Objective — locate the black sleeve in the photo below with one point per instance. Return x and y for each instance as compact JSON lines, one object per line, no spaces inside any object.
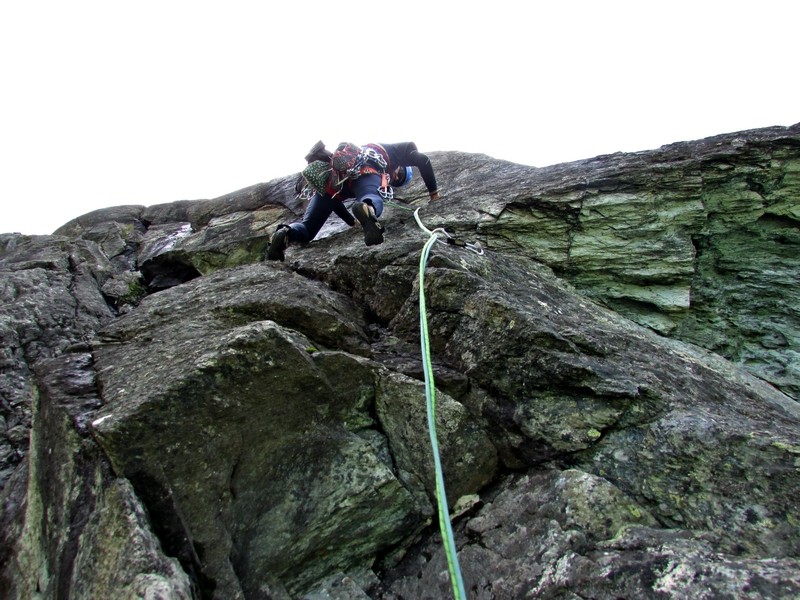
{"x":405,"y":154}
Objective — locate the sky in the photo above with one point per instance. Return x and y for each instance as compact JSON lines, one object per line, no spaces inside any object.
{"x":107,"y":103}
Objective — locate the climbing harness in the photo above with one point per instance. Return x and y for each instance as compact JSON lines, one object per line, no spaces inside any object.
{"x":369,"y":160}
{"x":445,"y":526}
{"x":369,"y":154}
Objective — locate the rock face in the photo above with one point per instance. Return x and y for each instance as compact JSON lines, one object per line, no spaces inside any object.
{"x":617,"y":389}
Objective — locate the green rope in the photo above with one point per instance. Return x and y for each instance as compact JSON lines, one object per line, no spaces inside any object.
{"x":398,"y":204}
{"x":430,"y":397}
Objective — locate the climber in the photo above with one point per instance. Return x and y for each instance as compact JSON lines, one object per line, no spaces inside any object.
{"x":363,"y":173}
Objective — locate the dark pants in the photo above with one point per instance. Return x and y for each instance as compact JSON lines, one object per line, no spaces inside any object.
{"x":320,"y":207}
{"x":365,"y":189}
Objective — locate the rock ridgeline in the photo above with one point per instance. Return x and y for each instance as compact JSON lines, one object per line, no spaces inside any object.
{"x":618,"y":383}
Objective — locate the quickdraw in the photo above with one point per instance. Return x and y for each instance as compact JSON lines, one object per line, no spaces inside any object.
{"x":306,"y":193}
{"x":445,"y":238}
{"x":476,"y":247}
{"x":384,"y":189}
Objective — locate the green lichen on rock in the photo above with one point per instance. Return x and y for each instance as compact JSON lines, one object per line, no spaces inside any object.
{"x":252,"y":429}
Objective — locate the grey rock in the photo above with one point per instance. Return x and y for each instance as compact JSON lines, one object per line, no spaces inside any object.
{"x":567,"y":534}
{"x":80,"y":532}
{"x":616,"y":385}
{"x":49,"y":300}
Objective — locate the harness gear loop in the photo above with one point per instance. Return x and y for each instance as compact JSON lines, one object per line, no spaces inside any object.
{"x":371,"y":155}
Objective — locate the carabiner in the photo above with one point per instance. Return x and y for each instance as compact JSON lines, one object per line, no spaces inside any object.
{"x":385,"y":190}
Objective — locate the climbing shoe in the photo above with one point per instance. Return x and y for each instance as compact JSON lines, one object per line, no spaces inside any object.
{"x":278,"y":243}
{"x":373,"y":230}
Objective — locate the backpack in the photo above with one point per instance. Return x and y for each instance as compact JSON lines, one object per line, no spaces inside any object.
{"x":328,"y":171}
{"x":317,"y":175}
{"x":346,"y":160}
{"x":350,"y":162}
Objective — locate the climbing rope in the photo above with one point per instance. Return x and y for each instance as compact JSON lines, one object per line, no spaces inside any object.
{"x":445,"y":526}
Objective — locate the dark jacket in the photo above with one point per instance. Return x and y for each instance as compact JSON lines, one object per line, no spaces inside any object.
{"x":405,"y":154}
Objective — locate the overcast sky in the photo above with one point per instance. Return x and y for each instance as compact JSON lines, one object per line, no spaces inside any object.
{"x":105,"y":103}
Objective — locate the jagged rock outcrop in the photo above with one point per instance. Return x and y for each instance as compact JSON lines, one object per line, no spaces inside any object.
{"x":617,"y":379}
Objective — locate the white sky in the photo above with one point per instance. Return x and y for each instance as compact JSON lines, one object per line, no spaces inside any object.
{"x":106,"y":102}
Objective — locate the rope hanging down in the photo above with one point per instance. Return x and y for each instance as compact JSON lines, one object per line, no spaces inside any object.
{"x":430,"y":397}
